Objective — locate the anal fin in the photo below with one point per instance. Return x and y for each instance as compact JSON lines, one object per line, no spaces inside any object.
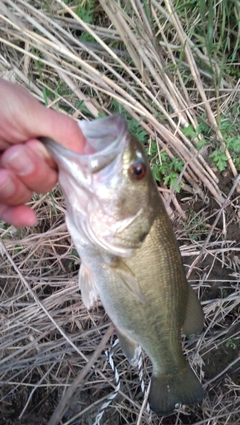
{"x":130,"y":347}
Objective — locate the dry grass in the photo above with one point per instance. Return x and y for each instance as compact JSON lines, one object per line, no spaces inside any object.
{"x":47,"y":337}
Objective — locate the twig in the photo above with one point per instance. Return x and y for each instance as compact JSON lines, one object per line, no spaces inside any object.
{"x":222,"y":372}
{"x":213,"y":227}
{"x":59,"y":412}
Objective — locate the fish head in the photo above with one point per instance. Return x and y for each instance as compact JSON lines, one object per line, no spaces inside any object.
{"x":109,"y":189}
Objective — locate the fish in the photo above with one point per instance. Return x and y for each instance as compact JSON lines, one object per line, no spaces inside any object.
{"x":130,"y":256}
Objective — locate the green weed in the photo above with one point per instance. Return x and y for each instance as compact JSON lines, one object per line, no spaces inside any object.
{"x":219,"y":158}
{"x":86,"y":12}
{"x":214,"y":25}
{"x":83,"y":108}
{"x":4,"y":226}
{"x":75,"y":260}
{"x":231,"y":343}
{"x":196,"y":226}
{"x":231,"y":141}
{"x":133,"y":125}
{"x":163,"y":167}
{"x":170,"y":170}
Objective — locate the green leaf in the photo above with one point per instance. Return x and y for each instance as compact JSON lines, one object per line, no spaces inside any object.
{"x":189,"y":131}
{"x":102,"y":114}
{"x":234,"y":144}
{"x":219,"y":158}
{"x":176,"y":164}
{"x":156,"y":173}
{"x":201,"y":144}
{"x":86,"y":37}
{"x":86,"y":12}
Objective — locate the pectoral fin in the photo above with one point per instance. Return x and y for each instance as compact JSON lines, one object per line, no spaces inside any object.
{"x":130,"y":347}
{"x":194,"y":318}
{"x":128,"y":279}
{"x":87,"y":287}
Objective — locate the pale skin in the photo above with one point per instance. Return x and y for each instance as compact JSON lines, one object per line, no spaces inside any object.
{"x":25,"y":164}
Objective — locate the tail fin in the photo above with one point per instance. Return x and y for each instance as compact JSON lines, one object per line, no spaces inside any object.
{"x":167,"y":391}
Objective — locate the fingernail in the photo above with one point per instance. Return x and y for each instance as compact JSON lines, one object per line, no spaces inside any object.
{"x":21,"y":163}
{"x":7,"y":187}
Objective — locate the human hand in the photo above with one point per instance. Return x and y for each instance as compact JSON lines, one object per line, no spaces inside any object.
{"x":25,"y":164}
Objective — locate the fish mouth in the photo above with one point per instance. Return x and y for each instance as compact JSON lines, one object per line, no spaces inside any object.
{"x":103,"y":134}
{"x":105,"y":139}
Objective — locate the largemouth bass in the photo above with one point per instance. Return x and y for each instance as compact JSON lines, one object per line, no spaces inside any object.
{"x":130,"y":256}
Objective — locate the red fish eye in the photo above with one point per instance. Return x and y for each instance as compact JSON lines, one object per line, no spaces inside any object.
{"x":138,"y":170}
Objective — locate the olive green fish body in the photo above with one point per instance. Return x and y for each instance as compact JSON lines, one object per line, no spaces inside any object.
{"x":130,"y":256}
{"x":158,"y":269}
{"x":156,"y":323}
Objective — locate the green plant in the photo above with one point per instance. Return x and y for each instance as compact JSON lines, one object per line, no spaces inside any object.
{"x":170,"y":169}
{"x":219,"y":158}
{"x":75,"y":260}
{"x":231,"y":343}
{"x":230,"y":141}
{"x":230,"y":132}
{"x":213,"y":26}
{"x":82,"y":107}
{"x":164,"y":167}
{"x":86,"y":11}
{"x":224,"y":292}
{"x":196,"y":226}
{"x":134,"y":126}
{"x":192,"y":133}
{"x":4,"y":226}
{"x":154,"y":160}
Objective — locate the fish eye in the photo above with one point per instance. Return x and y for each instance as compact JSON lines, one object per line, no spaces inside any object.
{"x":138,"y":170}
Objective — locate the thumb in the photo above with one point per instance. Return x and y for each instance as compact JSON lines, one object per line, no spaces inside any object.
{"x":23,"y":118}
{"x":60,"y":128}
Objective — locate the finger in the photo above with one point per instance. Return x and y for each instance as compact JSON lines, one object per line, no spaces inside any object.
{"x":39,"y":148}
{"x":23,"y":117}
{"x":61,"y":128}
{"x":31,"y":168}
{"x":12,"y":190}
{"x":18,"y":216}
